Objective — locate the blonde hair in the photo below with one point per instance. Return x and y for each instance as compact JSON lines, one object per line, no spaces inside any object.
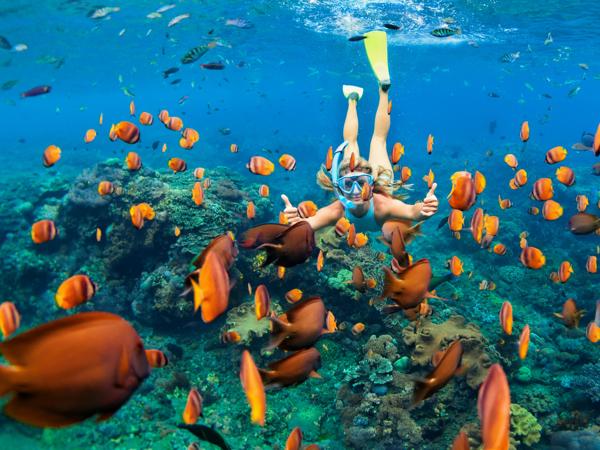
{"x":382,"y":184}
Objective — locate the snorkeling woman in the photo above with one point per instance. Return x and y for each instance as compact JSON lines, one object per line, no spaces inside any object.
{"x":373,"y":176}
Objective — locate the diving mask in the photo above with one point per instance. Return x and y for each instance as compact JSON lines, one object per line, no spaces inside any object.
{"x":349,"y":183}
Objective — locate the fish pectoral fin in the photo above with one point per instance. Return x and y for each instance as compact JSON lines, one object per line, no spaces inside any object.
{"x":559,"y":315}
{"x":314,"y":374}
{"x":431,"y":295}
{"x":269,"y":245}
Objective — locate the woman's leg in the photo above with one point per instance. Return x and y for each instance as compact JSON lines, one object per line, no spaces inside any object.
{"x":351,"y":129}
{"x":378,"y":155}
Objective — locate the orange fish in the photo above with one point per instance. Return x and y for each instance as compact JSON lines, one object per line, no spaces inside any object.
{"x":506,"y":317}
{"x":231,"y":337}
{"x":397,"y":152}
{"x":146,"y":118}
{"x":100,"y":119}
{"x":74,"y":291}
{"x":186,"y":143}
{"x":582,"y":203}
{"x":524,"y":342}
{"x":429,"y":144}
{"x":592,"y":331}
{"x":446,"y":365}
{"x":520,"y":178}
{"x":565,"y":175}
{"x":98,"y":234}
{"x":294,"y":295}
{"x":125,"y":131}
{"x":491,"y":225}
{"x":358,"y":328}
{"x":570,"y":315}
{"x":504,"y":203}
{"x":532,"y":257}
{"x":534,"y":210}
{"x":461,"y":442}
{"x":596,"y":145}
{"x":556,"y":154}
{"x":360,"y":240}
{"x":164,"y":148}
{"x":89,"y":136}
{"x":405,"y":174}
{"x":177,"y":231}
{"x":288,"y":162}
{"x":177,"y":165}
{"x":10,"y":319}
{"x":51,"y":155}
{"x":282,"y":218}
{"x":477,"y":225}
{"x":351,"y":235}
{"x":294,"y":440}
{"x":263,"y":190}
{"x":513,"y":184}
{"x":320,"y":261}
{"x":542,"y":189}
{"x":254,"y":388}
{"x":250,"y":210}
{"x":408,"y":288}
{"x":280,"y":272}
{"x":462,"y":196}
{"x":330,"y":322}
{"x":493,"y":406}
{"x":233,"y":148}
{"x":262,"y":302}
{"x":456,"y":266}
{"x":86,"y":383}
{"x":499,"y":249}
{"x":429,"y":178}
{"x":456,"y":221}
{"x":366,"y":192}
{"x":260,"y":166}
{"x":307,"y":209}
{"x":480,"y":182}
{"x":137,"y":217}
{"x":342,"y":226}
{"x":206,"y":183}
{"x":43,"y":231}
{"x":352,"y":163}
{"x":163,"y":116}
{"x":591,"y":264}
{"x":197,"y":193}
{"x":191,"y":135}
{"x":511,"y":161}
{"x":131,"y":108}
{"x":133,"y":161}
{"x":156,"y":358}
{"x":146,"y":210}
{"x":193,"y":407}
{"x":174,"y":123}
{"x":552,"y":210}
{"x":105,"y":188}
{"x":564,"y":271}
{"x":211,"y":292}
{"x":199,"y":173}
{"x":329,"y":158}
{"x":524,"y":134}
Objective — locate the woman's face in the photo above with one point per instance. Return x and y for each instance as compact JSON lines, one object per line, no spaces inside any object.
{"x":351,"y":185}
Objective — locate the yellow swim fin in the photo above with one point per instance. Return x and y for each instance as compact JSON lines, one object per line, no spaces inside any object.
{"x":376,"y":48}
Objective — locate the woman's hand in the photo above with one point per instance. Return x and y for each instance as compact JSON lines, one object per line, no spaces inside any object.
{"x":430,"y":203}
{"x":290,"y":211}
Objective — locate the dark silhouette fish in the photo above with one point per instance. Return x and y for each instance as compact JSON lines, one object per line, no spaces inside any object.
{"x":584,"y":223}
{"x":4,"y":43}
{"x":409,"y":288}
{"x":170,"y":71}
{"x":207,"y":434}
{"x":176,"y":81}
{"x":213,"y":66}
{"x":73,"y":368}
{"x":357,"y":38}
{"x":292,"y":370}
{"x":445,"y":368}
{"x":285,"y":245}
{"x":38,"y":90}
{"x":300,"y":326}
{"x":391,"y":26}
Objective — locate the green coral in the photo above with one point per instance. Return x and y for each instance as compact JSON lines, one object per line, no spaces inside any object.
{"x":524,"y":427}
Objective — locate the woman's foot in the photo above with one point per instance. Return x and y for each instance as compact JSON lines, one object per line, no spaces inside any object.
{"x":385,"y":85}
{"x":352,"y":92}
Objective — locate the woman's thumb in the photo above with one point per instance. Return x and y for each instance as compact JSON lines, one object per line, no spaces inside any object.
{"x":286,"y":201}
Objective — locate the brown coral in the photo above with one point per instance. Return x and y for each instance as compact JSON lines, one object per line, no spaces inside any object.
{"x":428,"y":338}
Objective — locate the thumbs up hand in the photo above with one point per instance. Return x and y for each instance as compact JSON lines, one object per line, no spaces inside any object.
{"x":430,"y":203}
{"x":290,"y":211}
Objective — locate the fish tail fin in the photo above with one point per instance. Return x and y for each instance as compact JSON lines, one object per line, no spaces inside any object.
{"x":266,"y":376}
{"x":280,"y":330}
{"x":7,"y":383}
{"x":443,"y":221}
{"x":389,"y":282}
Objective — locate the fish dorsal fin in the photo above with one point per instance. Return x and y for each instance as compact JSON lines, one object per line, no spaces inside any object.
{"x":17,"y":350}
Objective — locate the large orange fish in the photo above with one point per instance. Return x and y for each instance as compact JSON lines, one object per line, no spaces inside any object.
{"x":409,"y":288}
{"x":480,"y":182}
{"x":74,"y":291}
{"x":570,"y":315}
{"x":125,"y":131}
{"x":51,"y":155}
{"x":43,"y":231}
{"x":133,"y":161}
{"x":542,"y":189}
{"x":506,"y":317}
{"x":447,"y":366}
{"x":493,"y":406}
{"x":193,"y":407}
{"x":397,"y":152}
{"x":105,"y":188}
{"x":511,"y":161}
{"x":211,"y":292}
{"x":307,"y":209}
{"x":300,"y":326}
{"x":51,"y":387}
{"x":262,"y":302}
{"x":260,"y":166}
{"x":146,"y":118}
{"x":288,"y":162}
{"x":532,"y":257}
{"x":294,"y":440}
{"x":462,"y":196}
{"x":254,"y":388}
{"x":292,"y":370}
{"x":197,"y":193}
{"x":477,"y":225}
{"x":89,"y":136}
{"x":556,"y":154}
{"x":177,"y":165}
{"x":552,"y":210}
{"x":565,"y":175}
{"x":10,"y":319}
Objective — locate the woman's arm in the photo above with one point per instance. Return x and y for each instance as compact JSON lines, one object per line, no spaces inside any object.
{"x":326,"y":216}
{"x":397,"y":209}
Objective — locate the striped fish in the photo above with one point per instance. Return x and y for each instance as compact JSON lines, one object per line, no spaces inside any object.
{"x":194,"y":54}
{"x":445,"y":32}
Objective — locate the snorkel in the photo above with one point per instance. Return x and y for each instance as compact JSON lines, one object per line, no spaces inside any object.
{"x":335,"y":176}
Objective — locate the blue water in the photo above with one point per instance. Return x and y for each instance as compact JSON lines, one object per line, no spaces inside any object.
{"x":280,"y":90}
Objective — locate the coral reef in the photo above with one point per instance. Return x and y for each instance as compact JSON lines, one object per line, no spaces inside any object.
{"x":524,"y":428}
